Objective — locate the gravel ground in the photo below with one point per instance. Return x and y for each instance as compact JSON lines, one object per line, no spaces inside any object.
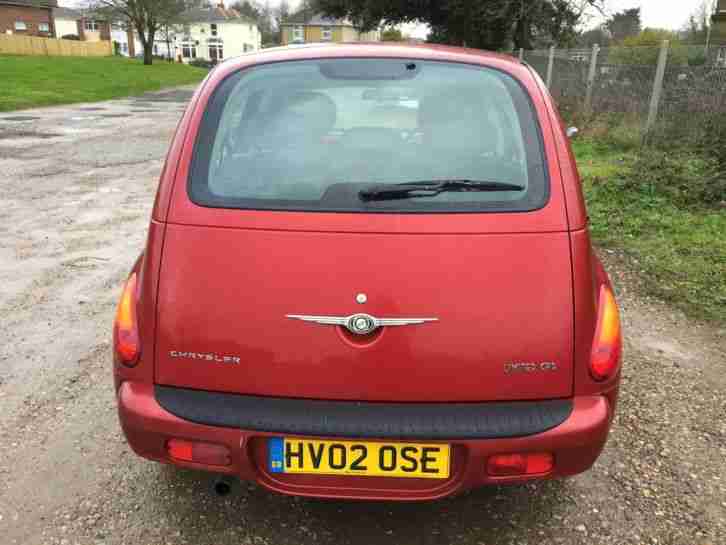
{"x":77,"y":186}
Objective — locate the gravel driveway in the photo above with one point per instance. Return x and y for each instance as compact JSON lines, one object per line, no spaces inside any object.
{"x":77,"y":185}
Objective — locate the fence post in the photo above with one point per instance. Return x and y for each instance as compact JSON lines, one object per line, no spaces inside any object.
{"x":591,"y":78}
{"x":550,"y":67}
{"x":521,"y":53}
{"x":657,"y":86}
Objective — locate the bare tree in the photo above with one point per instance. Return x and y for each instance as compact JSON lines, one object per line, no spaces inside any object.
{"x":146,"y":17}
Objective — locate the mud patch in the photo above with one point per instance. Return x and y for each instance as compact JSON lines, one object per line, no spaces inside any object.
{"x":19,"y":118}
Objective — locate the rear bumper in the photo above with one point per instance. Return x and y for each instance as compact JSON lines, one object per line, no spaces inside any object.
{"x":575,"y":432}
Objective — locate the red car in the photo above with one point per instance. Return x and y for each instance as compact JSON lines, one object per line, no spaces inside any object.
{"x":369,"y":275}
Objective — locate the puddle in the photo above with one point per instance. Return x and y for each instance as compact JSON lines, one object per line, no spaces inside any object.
{"x":12,"y":134}
{"x":115,"y":115}
{"x":20,"y":118}
{"x":180,"y":95}
{"x":91,"y":109}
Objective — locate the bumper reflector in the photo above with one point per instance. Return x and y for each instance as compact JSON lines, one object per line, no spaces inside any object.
{"x":530,"y":463}
{"x":200,"y":453}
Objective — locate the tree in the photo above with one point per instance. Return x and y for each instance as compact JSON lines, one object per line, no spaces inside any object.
{"x":643,"y":49}
{"x":624,"y":24}
{"x":266,"y":24}
{"x":485,"y":24}
{"x":391,"y":34}
{"x":595,"y":36}
{"x":281,"y":15}
{"x":696,"y":29}
{"x":146,"y":17}
{"x":248,"y":9}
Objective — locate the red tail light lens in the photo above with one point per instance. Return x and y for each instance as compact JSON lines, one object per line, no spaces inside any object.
{"x":607,"y":344}
{"x":126,"y":326}
{"x":530,"y":463}
{"x":201,"y":453}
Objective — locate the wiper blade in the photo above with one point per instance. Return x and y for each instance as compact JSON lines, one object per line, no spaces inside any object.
{"x":410,"y":190}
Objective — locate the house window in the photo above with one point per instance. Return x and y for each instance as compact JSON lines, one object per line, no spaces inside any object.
{"x":327,"y":34}
{"x":215,"y":52}
{"x":20,"y":25}
{"x":213,"y":28}
{"x":298,"y":34}
{"x":189,"y":51}
{"x":43,"y":27}
{"x":91,"y":26}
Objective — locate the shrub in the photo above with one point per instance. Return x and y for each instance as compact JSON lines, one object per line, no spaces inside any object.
{"x":684,"y":178}
{"x":202,"y":63}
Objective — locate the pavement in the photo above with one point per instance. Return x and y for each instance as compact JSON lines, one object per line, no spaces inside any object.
{"x":77,"y":184}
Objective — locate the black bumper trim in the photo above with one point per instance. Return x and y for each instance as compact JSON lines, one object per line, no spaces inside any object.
{"x":491,"y":420}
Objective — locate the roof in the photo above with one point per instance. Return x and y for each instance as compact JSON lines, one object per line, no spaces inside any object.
{"x":214,"y":15}
{"x":331,"y":50}
{"x":44,"y":4}
{"x":303,"y":17}
{"x":65,"y":13}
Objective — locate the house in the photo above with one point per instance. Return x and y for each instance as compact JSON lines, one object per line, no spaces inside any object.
{"x":125,"y":40}
{"x":213,"y":33}
{"x":305,"y":27}
{"x":73,"y":23}
{"x":27,"y":17}
{"x":83,"y":25}
{"x":66,"y":21}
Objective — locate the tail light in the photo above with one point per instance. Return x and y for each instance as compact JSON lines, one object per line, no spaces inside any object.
{"x":200,"y":453}
{"x":126,"y":327}
{"x":607,"y":344}
{"x":527,"y":463}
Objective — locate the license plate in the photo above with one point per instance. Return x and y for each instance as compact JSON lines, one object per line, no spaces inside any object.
{"x":361,"y":458}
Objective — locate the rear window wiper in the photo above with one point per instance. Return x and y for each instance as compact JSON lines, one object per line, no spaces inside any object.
{"x":410,"y":190}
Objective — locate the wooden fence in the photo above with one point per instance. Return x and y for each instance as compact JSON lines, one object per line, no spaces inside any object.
{"x":11,"y":44}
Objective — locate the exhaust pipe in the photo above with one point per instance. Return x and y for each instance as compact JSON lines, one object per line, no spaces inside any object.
{"x":223,"y":486}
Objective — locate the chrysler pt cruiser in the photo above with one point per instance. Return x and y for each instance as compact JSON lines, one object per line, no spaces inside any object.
{"x":368,"y":275}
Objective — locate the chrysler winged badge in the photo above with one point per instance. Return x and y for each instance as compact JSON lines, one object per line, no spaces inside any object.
{"x":360,"y":324}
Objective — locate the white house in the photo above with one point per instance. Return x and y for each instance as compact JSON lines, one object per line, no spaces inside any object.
{"x":215,"y":33}
{"x":128,"y":42}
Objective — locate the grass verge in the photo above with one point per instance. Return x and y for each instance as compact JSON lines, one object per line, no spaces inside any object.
{"x":29,"y":81}
{"x":679,"y":249}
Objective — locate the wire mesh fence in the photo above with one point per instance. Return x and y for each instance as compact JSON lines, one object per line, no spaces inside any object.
{"x":664,"y":92}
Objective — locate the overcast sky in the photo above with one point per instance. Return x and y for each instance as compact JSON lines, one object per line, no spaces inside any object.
{"x":671,"y":14}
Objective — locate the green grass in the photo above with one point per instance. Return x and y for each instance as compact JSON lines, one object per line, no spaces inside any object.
{"x":679,"y":250}
{"x":29,"y":81}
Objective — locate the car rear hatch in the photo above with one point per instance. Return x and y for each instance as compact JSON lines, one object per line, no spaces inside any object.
{"x":499,"y":299}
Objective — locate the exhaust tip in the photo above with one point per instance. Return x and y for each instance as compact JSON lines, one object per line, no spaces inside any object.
{"x":222,"y":486}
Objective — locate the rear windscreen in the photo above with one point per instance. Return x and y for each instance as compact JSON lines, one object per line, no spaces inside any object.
{"x":315,"y":135}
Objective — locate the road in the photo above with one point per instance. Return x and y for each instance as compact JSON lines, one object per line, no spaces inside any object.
{"x":77,"y":186}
